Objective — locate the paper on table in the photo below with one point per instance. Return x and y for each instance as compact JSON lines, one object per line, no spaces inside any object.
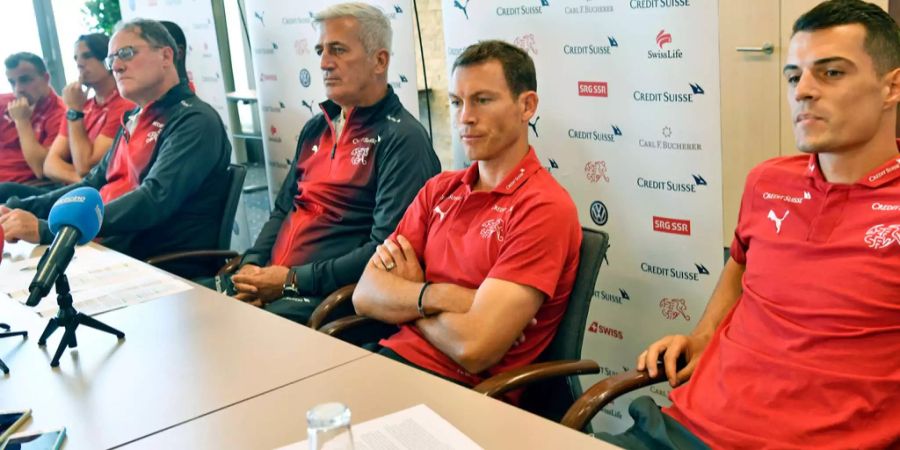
{"x":99,"y":281}
{"x":410,"y":429}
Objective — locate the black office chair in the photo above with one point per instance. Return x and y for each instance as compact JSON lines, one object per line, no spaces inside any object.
{"x":551,"y":383}
{"x":222,"y":253}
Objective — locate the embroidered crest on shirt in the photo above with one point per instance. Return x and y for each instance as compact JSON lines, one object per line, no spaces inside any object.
{"x":491,"y":227}
{"x":671,"y":308}
{"x":358,"y":156}
{"x":777,"y":220}
{"x":153,"y":135}
{"x":881,"y":236}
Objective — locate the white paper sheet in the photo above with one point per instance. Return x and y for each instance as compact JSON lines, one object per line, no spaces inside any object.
{"x":99,"y":281}
{"x":413,"y":428}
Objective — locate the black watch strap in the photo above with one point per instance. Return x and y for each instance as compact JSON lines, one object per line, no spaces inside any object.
{"x":74,"y":115}
{"x":291,"y":287}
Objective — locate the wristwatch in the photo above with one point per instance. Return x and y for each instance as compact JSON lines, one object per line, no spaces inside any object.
{"x":290,"y":288}
{"x":73,"y":115}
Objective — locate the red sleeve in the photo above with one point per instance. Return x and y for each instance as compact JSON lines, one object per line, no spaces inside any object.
{"x":114,"y":117}
{"x":539,"y":242}
{"x":52,"y":124}
{"x":741,"y":242}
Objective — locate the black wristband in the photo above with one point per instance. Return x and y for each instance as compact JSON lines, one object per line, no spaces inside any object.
{"x":421,"y":296}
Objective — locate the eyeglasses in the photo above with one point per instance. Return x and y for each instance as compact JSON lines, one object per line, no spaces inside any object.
{"x":125,"y":54}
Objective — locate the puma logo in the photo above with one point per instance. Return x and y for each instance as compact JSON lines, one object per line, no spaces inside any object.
{"x":461,"y":7}
{"x":437,"y":209}
{"x":533,"y":125}
{"x":777,"y":220}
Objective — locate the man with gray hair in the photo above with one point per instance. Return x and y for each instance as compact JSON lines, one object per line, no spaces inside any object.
{"x":163,"y":182}
{"x":358,"y":166}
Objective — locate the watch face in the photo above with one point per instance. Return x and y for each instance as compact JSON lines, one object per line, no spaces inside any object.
{"x":74,"y":115}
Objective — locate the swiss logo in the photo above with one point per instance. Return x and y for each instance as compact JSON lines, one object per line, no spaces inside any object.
{"x":881,"y":236}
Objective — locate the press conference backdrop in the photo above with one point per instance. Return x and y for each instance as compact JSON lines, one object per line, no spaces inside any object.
{"x":289,"y":81}
{"x":628,"y":122}
{"x":203,"y":63}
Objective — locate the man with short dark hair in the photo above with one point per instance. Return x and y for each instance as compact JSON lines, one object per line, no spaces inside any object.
{"x":799,"y":344}
{"x":164,"y":181}
{"x":358,"y":166}
{"x":29,"y":118}
{"x":479,"y":271}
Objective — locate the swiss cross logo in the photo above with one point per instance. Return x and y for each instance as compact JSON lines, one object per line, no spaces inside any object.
{"x":881,"y":236}
{"x":358,"y":156}
{"x":671,"y":308}
{"x":491,"y":227}
{"x":153,"y":135}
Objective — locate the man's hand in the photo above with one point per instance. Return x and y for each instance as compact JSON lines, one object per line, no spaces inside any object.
{"x":673,"y":346}
{"x":74,"y":96}
{"x":19,"y":224}
{"x":398,"y":258}
{"x":20,"y":110}
{"x":259,"y":284}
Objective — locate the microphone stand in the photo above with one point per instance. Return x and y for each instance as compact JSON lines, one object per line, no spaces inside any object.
{"x":69,"y":319}
{"x":4,"y":334}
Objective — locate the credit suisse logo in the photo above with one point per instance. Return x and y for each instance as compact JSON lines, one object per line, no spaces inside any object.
{"x":596,"y":135}
{"x":672,"y":186}
{"x":273,"y":108}
{"x":618,"y":298}
{"x":308,"y":19}
{"x":591,"y":49}
{"x":593,"y":89}
{"x":669,"y":96}
{"x":529,"y":9}
{"x":672,"y":226}
{"x":263,"y":77}
{"x":658,"y":4}
{"x":665,"y":49}
{"x":265,"y":50}
{"x":678,"y":273}
{"x":597,"y":328}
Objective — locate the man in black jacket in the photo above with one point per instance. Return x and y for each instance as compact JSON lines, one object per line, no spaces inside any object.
{"x":358,"y":166}
{"x":164,"y":181}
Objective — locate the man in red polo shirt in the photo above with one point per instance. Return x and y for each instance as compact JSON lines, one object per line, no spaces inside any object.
{"x":91,"y":123}
{"x":498,"y":241}
{"x":799,"y":346}
{"x":29,"y":118}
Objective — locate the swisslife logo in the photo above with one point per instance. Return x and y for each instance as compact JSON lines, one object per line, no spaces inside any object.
{"x":694,"y":274}
{"x":593,"y":89}
{"x":685,"y":96}
{"x":672,"y":226}
{"x":664,"y":49}
{"x":673,"y":186}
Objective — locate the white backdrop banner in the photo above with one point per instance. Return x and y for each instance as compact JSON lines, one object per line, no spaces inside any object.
{"x":628,"y":122}
{"x":288,"y":79}
{"x":195,"y":17}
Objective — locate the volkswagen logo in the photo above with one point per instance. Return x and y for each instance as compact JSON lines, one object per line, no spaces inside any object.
{"x":599,"y":214}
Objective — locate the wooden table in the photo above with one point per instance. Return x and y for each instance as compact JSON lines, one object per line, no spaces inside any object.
{"x":184,"y":356}
{"x":372,"y":387}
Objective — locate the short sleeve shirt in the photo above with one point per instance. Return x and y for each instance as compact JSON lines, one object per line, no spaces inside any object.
{"x":45,"y":120}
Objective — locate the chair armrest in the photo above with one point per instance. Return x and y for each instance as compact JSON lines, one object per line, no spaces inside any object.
{"x":604,"y":392}
{"x":344,"y":324}
{"x":193,"y":254}
{"x":499,"y":384}
{"x":332,"y":302}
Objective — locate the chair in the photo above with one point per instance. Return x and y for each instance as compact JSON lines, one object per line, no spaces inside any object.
{"x":551,"y":383}
{"x":608,"y":389}
{"x":223,"y":253}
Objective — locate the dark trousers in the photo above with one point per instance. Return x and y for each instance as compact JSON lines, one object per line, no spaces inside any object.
{"x":297,"y":309}
{"x":653,"y":430}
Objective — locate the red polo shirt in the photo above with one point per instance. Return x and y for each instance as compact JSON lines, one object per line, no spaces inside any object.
{"x":133,"y":154}
{"x":45,"y":120}
{"x":809,"y":357}
{"x":525,"y":231}
{"x":102,"y":118}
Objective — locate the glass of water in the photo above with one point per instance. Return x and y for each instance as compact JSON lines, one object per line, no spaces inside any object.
{"x":328,"y":427}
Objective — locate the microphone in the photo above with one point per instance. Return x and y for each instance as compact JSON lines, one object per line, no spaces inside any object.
{"x":75,"y":219}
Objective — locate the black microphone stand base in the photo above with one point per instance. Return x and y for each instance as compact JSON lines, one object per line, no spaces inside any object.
{"x":6,"y":333}
{"x":69,"y":319}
